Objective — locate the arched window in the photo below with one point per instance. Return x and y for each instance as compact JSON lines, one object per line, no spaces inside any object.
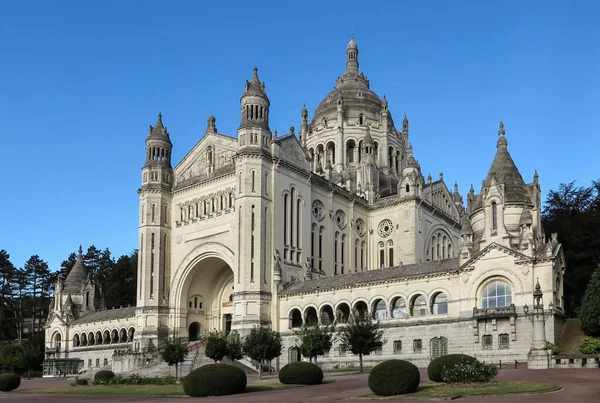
{"x":390,"y":253}
{"x":153,"y":212}
{"x":335,"y":253}
{"x":494,"y":216}
{"x":418,"y":306}
{"x":399,"y":309}
{"x":407,"y":188}
{"x":381,"y":255}
{"x":327,"y":315}
{"x":230,"y":200}
{"x":321,"y":248}
{"x":285,"y":219}
{"x":295,"y":318}
{"x":356,"y":255}
{"x":380,"y":310}
{"x":310,"y":316}
{"x":312,"y":245}
{"x":342,"y":252}
{"x":496,"y":294}
{"x":439,"y":304}
{"x":362,"y":255}
{"x":253,"y":181}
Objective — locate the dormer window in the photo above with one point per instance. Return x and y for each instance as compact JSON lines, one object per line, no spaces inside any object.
{"x":407,"y":188}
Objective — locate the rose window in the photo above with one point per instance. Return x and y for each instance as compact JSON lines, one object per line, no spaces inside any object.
{"x":317,"y":210}
{"x":385,"y":228}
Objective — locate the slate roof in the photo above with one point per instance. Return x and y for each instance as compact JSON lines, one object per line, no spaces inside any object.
{"x":108,"y":314}
{"x":373,"y":276}
{"x":76,"y":276}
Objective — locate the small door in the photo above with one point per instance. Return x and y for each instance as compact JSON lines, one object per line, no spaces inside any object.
{"x":227,"y":323}
{"x":294,"y":354}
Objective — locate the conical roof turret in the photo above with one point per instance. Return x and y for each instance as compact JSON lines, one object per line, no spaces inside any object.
{"x":159,"y":131}
{"x":526,"y":217}
{"x":505,"y":172}
{"x":255,"y":86}
{"x":77,"y":276}
{"x":466,"y":228}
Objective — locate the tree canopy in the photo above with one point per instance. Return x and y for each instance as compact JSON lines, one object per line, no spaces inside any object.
{"x":262,"y":344}
{"x":361,"y":335}
{"x":573,"y":212}
{"x":590,"y":306}
{"x":315,"y":340}
{"x":216,"y":345}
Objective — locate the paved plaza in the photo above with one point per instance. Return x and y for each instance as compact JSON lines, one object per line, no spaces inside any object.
{"x":578,"y":385}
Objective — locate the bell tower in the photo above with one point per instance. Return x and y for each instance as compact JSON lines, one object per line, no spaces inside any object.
{"x":253,"y":206}
{"x":154,"y":236}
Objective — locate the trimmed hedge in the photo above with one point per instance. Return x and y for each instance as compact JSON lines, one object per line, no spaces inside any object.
{"x":394,"y":377}
{"x":9,"y":382}
{"x":301,"y":373}
{"x":434,"y":370}
{"x":103,"y":377}
{"x":215,"y":380}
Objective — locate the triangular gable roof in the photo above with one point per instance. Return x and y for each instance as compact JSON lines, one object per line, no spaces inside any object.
{"x":197,"y":146}
{"x":488,"y":249}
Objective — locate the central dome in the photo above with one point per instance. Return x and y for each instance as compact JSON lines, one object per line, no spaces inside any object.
{"x":352,"y":88}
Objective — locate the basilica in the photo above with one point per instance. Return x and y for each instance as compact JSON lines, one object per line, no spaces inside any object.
{"x":327,"y":221}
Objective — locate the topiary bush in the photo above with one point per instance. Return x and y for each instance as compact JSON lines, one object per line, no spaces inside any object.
{"x":301,"y":373}
{"x":394,"y":377}
{"x":215,"y":380}
{"x":589,"y":345}
{"x":434,"y":370}
{"x":103,"y":377}
{"x":9,"y":382}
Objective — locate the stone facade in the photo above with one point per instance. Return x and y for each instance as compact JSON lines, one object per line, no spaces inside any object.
{"x":269,"y":230}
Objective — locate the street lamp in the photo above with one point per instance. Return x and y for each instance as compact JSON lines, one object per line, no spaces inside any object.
{"x":538,"y":305}
{"x":538,"y":357}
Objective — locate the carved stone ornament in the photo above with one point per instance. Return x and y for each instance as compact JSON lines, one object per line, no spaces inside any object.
{"x":465,"y":277}
{"x":317,"y":210}
{"x":340,"y":219}
{"x":360,"y":227}
{"x":385,"y":228}
{"x":178,"y":239}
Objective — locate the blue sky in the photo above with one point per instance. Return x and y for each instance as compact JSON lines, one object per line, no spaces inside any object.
{"x":81,"y":81}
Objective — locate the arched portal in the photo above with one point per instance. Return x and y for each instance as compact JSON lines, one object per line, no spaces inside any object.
{"x":294,"y":354}
{"x":194,"y":331}
{"x":205,"y":296}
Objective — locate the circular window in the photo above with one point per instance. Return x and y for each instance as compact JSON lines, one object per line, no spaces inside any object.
{"x":317,"y":210}
{"x":340,"y":219}
{"x":385,"y":228}
{"x":360,"y":227}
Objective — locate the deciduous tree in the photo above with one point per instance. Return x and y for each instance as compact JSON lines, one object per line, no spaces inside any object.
{"x":262,"y":344}
{"x":174,"y":351}
{"x":361,"y":335}
{"x":315,"y":340}
{"x":216,"y":345}
{"x":590,"y":306}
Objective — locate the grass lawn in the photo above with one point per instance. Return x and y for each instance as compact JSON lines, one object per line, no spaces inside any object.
{"x":139,"y":390}
{"x":442,"y":390}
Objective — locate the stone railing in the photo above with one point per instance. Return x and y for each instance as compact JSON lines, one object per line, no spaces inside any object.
{"x":480,"y":313}
{"x":575,"y":361}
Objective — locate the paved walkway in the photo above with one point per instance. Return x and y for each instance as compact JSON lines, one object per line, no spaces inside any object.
{"x":579,"y":386}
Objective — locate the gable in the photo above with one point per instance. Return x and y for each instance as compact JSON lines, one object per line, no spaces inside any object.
{"x":212,"y":153}
{"x":439,"y":195}
{"x":292,"y":152}
{"x":495,"y":253}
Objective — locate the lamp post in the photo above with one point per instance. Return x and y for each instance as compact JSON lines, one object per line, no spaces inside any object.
{"x":538,"y":357}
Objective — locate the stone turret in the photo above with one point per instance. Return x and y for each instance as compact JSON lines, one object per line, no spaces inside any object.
{"x":254,"y":135}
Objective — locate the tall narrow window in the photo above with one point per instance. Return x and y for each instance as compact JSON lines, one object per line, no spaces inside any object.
{"x":298,"y":220}
{"x":153,"y":212}
{"x":292,"y":218}
{"x":240,"y":184}
{"x":253,"y":181}
{"x":342,"y":253}
{"x":143,"y":212}
{"x":252,"y":246}
{"x":312,"y":245}
{"x":494,"y":216}
{"x":335,"y":253}
{"x":381,"y":255}
{"x":266,"y":184}
{"x":390,"y":254}
{"x":321,"y":248}
{"x":285,"y":219}
{"x":356,"y":255}
{"x":362,"y":255}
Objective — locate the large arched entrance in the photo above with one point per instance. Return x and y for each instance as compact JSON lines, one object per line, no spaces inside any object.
{"x":206,"y":297}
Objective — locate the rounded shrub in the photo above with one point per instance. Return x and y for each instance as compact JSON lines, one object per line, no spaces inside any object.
{"x":214,"y":380}
{"x":103,"y":377}
{"x":301,"y":373}
{"x":394,"y":377}
{"x":434,"y":370}
{"x":9,"y":382}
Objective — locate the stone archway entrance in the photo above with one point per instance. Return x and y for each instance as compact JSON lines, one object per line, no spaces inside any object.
{"x":205,"y":298}
{"x":194,"y":331}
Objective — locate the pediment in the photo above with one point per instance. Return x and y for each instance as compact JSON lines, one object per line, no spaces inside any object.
{"x":292,"y":152}
{"x":495,"y":252}
{"x":211,"y":154}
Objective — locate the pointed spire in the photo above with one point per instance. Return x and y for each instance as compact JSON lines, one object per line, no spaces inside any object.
{"x":384,"y":102}
{"x":501,"y":140}
{"x":159,"y":122}
{"x":80,"y":253}
{"x":536,"y":177}
{"x":405,"y":124}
